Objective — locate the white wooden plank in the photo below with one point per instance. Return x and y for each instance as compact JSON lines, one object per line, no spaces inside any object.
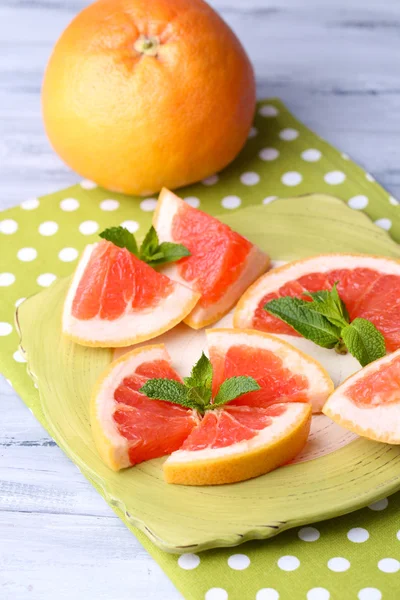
{"x":65,"y":556}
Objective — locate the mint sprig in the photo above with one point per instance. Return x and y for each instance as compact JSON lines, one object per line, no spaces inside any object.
{"x":151,"y":251}
{"x":325,"y":321}
{"x":196,"y":391}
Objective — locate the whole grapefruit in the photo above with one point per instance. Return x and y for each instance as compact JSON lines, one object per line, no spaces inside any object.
{"x":141,"y":94}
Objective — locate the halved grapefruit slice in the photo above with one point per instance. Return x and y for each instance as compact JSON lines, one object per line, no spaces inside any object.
{"x":128,"y":427}
{"x":222,"y":263}
{"x":115,"y":299}
{"x":368,"y":402}
{"x":240,"y":442}
{"x":368,"y":285}
{"x":284,"y":373}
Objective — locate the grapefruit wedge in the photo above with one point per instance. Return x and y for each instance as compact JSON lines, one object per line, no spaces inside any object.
{"x":128,"y":427}
{"x":222,"y":263}
{"x":115,"y":299}
{"x":368,"y":285}
{"x":368,"y":403}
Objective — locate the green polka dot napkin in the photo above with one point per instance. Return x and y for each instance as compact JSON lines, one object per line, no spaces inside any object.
{"x":352,"y":557}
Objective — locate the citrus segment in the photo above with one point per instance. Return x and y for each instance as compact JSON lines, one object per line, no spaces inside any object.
{"x":222,"y":262}
{"x":284,"y":373}
{"x":238,"y":443}
{"x":115,"y":299}
{"x":368,"y":403}
{"x":128,"y":427}
{"x":368,"y":285}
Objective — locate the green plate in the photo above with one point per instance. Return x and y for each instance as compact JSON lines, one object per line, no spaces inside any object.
{"x":181,"y":519}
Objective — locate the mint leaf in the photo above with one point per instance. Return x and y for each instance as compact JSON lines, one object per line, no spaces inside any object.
{"x":309,"y":323}
{"x":200,"y":396}
{"x":168,"y":390}
{"x":169,"y":252}
{"x":329,"y":304}
{"x":201,"y":374}
{"x":199,"y":382}
{"x":234,"y":387}
{"x":149,"y":245}
{"x":364,"y":341}
{"x":151,"y":251}
{"x":122,"y":238}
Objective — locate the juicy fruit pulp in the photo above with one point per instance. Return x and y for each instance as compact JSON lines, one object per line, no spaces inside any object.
{"x":153,"y":428}
{"x":278,"y":383}
{"x":233,"y":424}
{"x":218,"y":254}
{"x":115,"y":280}
{"x":382,"y":387}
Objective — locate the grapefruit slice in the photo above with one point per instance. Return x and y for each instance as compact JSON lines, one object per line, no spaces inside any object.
{"x":284,"y":373}
{"x":128,"y":427}
{"x":222,"y":263}
{"x":368,"y":285}
{"x":115,"y":299}
{"x":368,"y":402}
{"x":238,"y":443}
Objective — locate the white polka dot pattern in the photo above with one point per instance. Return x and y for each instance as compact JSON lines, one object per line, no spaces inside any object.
{"x":238,"y":562}
{"x":309,"y":534}
{"x":338,"y":564}
{"x":267,"y":594}
{"x":8,"y":226}
{"x":231,"y":202}
{"x":189,"y":562}
{"x":288,"y":563}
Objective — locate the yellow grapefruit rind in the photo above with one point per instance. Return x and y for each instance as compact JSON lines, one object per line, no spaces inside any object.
{"x":111,"y":445}
{"x":242,"y":465}
{"x":275,"y":278}
{"x":321,"y":385}
{"x":256,"y":263}
{"x":376,"y":422}
{"x":180,"y":303}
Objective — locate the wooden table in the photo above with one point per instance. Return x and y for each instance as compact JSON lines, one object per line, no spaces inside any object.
{"x":336,"y":65}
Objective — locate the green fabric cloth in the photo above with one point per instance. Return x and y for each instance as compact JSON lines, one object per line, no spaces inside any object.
{"x":351,"y":557}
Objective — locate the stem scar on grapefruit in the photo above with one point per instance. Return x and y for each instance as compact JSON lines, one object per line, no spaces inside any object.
{"x":222,"y":263}
{"x":367,"y":403}
{"x":141,"y":94}
{"x":115,"y":299}
{"x":243,"y":439}
{"x":368,"y":285}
